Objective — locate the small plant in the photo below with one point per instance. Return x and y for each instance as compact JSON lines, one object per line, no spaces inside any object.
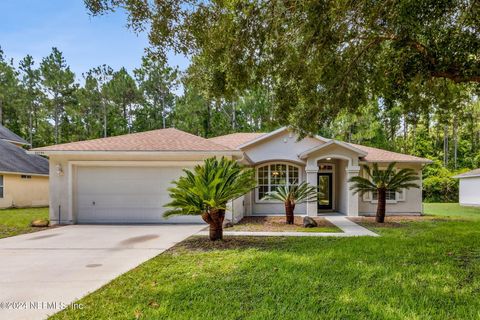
{"x":207,"y":189}
{"x":379,"y":181}
{"x":292,"y":194}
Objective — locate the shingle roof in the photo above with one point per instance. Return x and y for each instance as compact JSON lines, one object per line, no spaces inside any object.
{"x":468,"y":174}
{"x":380,"y":155}
{"x":234,"y":140}
{"x":16,"y":159}
{"x":6,"y":134}
{"x":156,"y":140}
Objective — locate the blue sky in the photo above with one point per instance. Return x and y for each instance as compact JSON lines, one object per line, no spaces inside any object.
{"x":35,"y":26}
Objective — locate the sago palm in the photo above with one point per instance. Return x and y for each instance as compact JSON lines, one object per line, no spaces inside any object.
{"x":207,"y":189}
{"x":380,"y":181}
{"x":290,"y":195}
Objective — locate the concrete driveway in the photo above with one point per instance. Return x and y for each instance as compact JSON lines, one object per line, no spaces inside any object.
{"x":42,"y":272}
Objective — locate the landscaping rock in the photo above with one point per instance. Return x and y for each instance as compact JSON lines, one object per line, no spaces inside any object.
{"x":40,"y":223}
{"x":309,"y":223}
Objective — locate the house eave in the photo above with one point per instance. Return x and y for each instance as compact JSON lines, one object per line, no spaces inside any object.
{"x":24,"y":173}
{"x":130,"y":152}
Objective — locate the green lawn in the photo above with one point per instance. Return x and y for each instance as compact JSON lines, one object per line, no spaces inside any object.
{"x":17,"y":221}
{"x":453,"y":210}
{"x":417,"y":270}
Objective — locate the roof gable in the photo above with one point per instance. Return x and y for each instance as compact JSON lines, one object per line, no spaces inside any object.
{"x":15,"y":159}
{"x":9,"y":136}
{"x":344,"y":145}
{"x":156,"y":140}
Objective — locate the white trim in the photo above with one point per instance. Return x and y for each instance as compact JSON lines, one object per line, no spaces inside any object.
{"x":268,"y":164}
{"x":461,"y":176}
{"x":334,"y":207}
{"x":306,"y":153}
{"x":2,"y":185}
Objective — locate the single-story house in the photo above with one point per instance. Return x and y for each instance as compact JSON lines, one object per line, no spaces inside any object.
{"x":23,"y":176}
{"x":469,"y":188}
{"x":124,"y":179}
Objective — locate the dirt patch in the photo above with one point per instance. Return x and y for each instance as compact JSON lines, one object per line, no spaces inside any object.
{"x":277,"y":224}
{"x":203,"y":243}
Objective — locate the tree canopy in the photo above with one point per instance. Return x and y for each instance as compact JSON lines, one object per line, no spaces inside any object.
{"x":317,"y":57}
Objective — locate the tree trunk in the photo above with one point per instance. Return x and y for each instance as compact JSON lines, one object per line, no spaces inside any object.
{"x":215,"y":219}
{"x":1,"y":112}
{"x":381,"y":197}
{"x":289,"y":208}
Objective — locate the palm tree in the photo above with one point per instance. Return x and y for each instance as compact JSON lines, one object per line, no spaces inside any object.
{"x":292,"y":194}
{"x":381,"y":181}
{"x":207,"y":190}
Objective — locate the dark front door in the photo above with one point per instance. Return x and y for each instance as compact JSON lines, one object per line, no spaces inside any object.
{"x":325,"y":201}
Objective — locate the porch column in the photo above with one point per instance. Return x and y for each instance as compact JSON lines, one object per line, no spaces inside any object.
{"x":352,"y":199}
{"x":312,"y":208}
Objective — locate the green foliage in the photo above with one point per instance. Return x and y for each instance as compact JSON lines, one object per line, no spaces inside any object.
{"x":293,"y":193}
{"x":439,"y":184}
{"x":388,"y":179}
{"x":210,"y":185}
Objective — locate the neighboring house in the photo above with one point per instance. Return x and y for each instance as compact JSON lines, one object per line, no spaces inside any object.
{"x":124,"y":179}
{"x":469,"y":188}
{"x":23,"y":176}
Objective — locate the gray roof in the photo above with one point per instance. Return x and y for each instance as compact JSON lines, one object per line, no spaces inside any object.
{"x":6,"y":134}
{"x":468,"y":174}
{"x":16,"y":159}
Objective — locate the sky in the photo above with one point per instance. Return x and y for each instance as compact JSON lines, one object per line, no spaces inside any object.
{"x":35,"y":26}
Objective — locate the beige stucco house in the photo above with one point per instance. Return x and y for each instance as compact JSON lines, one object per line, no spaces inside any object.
{"x":23,"y":176}
{"x":124,"y":179}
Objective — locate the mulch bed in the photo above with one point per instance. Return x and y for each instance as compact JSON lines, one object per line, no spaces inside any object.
{"x":392,"y":221}
{"x":277,"y":224}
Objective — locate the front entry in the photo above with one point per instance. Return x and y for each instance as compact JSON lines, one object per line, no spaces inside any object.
{"x":325,"y":184}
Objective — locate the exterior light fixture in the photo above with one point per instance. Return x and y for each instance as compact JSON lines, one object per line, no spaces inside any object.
{"x":59,"y":170}
{"x":328,"y":159}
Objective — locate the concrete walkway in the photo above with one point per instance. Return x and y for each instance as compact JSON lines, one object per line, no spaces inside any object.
{"x":45,"y":271}
{"x":349,"y":228}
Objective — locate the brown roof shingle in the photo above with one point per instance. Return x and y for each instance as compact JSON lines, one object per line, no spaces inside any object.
{"x":380,"y":155}
{"x":234,"y":140}
{"x":156,"y":140}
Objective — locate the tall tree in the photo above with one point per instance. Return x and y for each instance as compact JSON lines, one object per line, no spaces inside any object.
{"x":8,"y":85}
{"x":30,"y":81}
{"x":59,"y":82}
{"x":321,"y":56}
{"x":122,"y":94}
{"x":157,"y":81}
{"x":98,"y":78}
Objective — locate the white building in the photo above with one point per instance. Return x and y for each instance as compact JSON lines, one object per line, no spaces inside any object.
{"x":469,"y":188}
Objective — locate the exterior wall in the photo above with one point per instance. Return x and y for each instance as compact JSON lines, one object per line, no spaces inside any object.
{"x":283,"y":146}
{"x":62,"y":183}
{"x":468,"y":192}
{"x":342,"y":190}
{"x":411,"y":205}
{"x":20,"y":192}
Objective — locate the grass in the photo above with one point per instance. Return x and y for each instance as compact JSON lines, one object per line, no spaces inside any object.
{"x":452,"y":210}
{"x":426,"y":269}
{"x":17,"y":221}
{"x":278,"y":224}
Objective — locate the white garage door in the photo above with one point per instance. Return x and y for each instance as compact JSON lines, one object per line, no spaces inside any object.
{"x":126,"y":195}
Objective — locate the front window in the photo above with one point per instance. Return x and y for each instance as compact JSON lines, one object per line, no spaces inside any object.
{"x":1,"y":186}
{"x":389,"y":195}
{"x":271,"y":176}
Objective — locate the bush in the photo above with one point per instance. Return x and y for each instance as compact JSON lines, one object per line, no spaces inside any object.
{"x":439,"y":184}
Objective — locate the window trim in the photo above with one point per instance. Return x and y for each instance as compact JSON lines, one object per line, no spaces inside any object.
{"x":2,"y":185}
{"x":269,"y":164}
{"x":368,"y":196}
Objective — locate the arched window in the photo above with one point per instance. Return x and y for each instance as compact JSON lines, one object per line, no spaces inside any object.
{"x":272,"y":175}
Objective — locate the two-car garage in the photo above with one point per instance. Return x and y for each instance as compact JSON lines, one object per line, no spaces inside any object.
{"x":125,"y":194}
